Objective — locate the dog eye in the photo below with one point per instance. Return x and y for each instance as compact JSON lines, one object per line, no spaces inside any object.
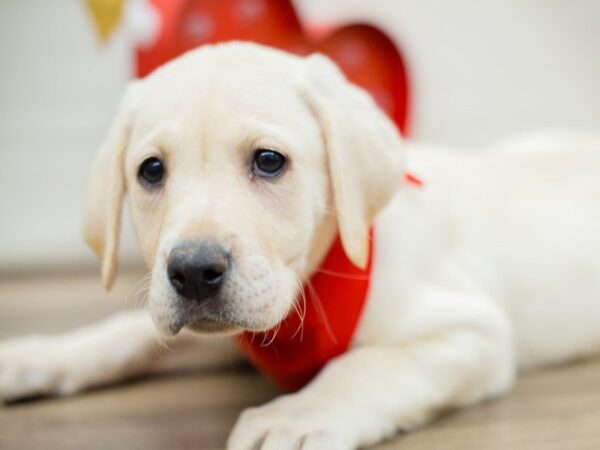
{"x":151,"y":172}
{"x":268,"y":163}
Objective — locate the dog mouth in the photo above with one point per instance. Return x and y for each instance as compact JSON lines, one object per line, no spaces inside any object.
{"x":214,"y":327}
{"x":221,"y":322}
{"x":200,"y":324}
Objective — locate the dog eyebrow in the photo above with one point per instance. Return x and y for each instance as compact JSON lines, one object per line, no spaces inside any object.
{"x":165,"y":135}
{"x":268,"y":136}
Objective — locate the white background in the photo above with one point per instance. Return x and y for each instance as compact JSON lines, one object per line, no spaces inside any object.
{"x":480,"y":70}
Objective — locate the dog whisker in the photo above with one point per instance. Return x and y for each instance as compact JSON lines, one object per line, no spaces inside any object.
{"x":275,"y":331}
{"x":143,"y":299}
{"x":300,"y":309}
{"x":321,"y":311}
{"x":140,"y":286}
{"x":163,"y":346}
{"x":347,"y":276}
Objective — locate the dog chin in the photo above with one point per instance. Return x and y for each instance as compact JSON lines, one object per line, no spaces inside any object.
{"x":229,"y":326}
{"x":214,"y":327}
{"x":171,"y":326}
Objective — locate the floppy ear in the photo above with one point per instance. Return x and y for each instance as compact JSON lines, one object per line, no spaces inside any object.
{"x":104,"y":201}
{"x":364,"y":152}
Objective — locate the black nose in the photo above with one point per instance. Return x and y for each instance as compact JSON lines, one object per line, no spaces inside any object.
{"x":196,"y":269}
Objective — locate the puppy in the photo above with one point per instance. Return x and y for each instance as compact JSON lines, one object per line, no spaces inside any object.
{"x":242,"y":164}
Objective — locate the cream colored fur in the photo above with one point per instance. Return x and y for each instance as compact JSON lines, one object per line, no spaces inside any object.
{"x":492,"y":266}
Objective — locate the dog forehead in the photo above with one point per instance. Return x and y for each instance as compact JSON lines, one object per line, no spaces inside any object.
{"x":226,"y":94}
{"x":235,"y":78}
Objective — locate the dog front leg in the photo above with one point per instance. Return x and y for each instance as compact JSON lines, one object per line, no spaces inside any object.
{"x":111,"y":350}
{"x":371,"y":392}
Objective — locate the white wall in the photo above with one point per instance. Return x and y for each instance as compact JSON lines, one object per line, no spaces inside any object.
{"x":480,"y":70}
{"x":58,"y":91}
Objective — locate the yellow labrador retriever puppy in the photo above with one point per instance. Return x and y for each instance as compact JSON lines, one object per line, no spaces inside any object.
{"x":241,"y":159}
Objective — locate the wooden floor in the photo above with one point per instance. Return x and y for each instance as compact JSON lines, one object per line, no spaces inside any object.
{"x":555,"y":409}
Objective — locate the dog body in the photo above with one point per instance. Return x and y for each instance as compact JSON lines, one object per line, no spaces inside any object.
{"x":516,"y":225}
{"x":242,"y":164}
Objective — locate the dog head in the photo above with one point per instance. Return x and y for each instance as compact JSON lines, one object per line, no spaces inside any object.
{"x":240,"y":164}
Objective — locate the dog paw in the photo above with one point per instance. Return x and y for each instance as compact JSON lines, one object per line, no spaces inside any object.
{"x":30,"y":366}
{"x":291,"y":422}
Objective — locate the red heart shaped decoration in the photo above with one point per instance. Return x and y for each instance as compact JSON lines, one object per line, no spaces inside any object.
{"x":365,"y":54}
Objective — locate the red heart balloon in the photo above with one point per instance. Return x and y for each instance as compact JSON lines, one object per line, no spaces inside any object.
{"x":365,"y":54}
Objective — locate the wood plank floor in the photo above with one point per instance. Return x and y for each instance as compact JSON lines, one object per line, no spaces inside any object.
{"x":555,"y":409}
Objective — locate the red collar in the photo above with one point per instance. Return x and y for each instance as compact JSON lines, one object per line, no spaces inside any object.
{"x":334,"y":297}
